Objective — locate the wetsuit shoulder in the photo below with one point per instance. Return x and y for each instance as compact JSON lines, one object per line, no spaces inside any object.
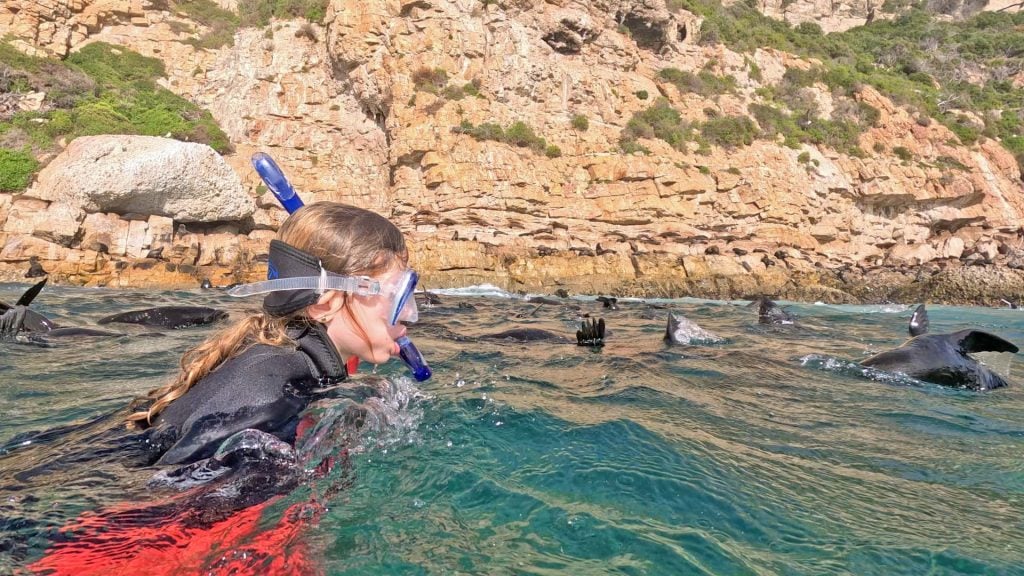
{"x":264,"y":388}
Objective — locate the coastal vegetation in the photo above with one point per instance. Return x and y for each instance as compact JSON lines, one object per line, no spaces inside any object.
{"x":662,"y":121}
{"x":956,"y":71}
{"x":16,"y":169}
{"x":517,"y":134}
{"x":221,"y":24}
{"x":101,"y":89}
{"x":703,"y":83}
{"x":435,"y":81}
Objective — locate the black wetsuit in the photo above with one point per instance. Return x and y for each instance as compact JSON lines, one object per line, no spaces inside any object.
{"x":265,"y":388}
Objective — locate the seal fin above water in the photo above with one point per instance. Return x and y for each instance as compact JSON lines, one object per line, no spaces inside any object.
{"x":681,"y":330}
{"x":977,"y":341}
{"x":670,"y":327}
{"x":919,"y":321}
{"x":31,"y":293}
{"x":591,"y":333}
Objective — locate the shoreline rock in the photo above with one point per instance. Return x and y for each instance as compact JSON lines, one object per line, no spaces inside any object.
{"x":952,"y":284}
{"x":383,"y":107}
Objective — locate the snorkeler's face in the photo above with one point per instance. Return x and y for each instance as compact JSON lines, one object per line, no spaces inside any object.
{"x":364,"y":327}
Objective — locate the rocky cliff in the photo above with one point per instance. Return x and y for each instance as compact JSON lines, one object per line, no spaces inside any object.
{"x":372,"y":108}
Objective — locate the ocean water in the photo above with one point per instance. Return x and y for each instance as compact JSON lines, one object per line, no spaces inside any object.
{"x":769,"y":453}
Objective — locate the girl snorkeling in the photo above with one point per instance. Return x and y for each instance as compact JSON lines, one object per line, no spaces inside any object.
{"x":339,"y":291}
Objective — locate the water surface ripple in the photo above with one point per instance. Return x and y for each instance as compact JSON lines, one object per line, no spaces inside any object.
{"x":767,"y":454}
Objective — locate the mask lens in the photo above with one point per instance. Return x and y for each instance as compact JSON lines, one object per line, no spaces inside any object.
{"x":403,"y":306}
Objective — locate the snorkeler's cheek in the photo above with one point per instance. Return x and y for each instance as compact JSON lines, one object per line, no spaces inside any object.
{"x":381,"y":334}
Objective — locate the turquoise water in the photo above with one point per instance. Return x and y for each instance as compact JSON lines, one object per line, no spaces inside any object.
{"x":768,"y":454}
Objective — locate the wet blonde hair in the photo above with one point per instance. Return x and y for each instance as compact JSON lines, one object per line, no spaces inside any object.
{"x":347,"y":240}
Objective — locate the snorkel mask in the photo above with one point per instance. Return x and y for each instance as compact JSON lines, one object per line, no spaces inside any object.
{"x":296,"y":279}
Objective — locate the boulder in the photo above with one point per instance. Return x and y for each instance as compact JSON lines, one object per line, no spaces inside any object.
{"x":135,"y":243}
{"x":911,"y":254}
{"x":184,"y":181}
{"x":58,"y":223}
{"x":21,"y":248}
{"x":989,"y":249}
{"x":952,"y":247}
{"x":105,"y":233}
{"x":23,"y":214}
{"x":159,"y":233}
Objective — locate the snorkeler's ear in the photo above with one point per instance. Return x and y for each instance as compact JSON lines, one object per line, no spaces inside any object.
{"x":327,"y":307}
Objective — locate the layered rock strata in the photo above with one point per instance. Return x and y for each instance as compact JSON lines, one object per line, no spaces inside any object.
{"x":343,"y":109}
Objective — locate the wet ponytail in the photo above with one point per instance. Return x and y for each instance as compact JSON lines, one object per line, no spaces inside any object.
{"x":199,"y":361}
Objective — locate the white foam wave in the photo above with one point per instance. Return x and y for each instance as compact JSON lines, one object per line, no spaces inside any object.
{"x":476,"y":290}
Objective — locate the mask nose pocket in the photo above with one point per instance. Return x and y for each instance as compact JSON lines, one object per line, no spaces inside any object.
{"x":403,"y":306}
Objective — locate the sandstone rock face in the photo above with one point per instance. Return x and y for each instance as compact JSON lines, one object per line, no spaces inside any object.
{"x":54,"y":26}
{"x":343,"y":109}
{"x":144,"y":175}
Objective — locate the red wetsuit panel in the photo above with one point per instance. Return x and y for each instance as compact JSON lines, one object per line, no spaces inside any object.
{"x":238,"y":545}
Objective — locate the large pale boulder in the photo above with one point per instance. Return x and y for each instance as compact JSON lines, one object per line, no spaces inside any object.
{"x":144,"y":175}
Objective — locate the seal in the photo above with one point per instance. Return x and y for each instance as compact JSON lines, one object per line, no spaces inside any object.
{"x":27,"y":320}
{"x":769,"y":312}
{"x":943,"y":358}
{"x":681,"y":330}
{"x":35,"y":269}
{"x":20,"y":318}
{"x":526,"y":335}
{"x":172,"y":317}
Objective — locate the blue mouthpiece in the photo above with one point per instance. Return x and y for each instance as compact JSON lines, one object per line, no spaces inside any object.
{"x":413,"y":359}
{"x":275,"y":180}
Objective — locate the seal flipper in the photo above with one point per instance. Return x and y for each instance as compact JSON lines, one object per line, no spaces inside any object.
{"x":670,"y":327}
{"x":919,"y":321}
{"x":978,"y":341}
{"x":11,"y":322}
{"x":591,"y":333}
{"x":32,"y":321}
{"x":31,"y":293}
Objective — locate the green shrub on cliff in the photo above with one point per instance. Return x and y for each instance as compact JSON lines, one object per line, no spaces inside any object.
{"x":101,"y":89}
{"x":796,"y":128}
{"x":518,"y":134}
{"x":114,"y":67}
{"x":729,"y":131}
{"x":916,"y":59}
{"x":703,"y":83}
{"x":257,"y":13}
{"x":660,"y":121}
{"x":16,"y":169}
{"x":220,"y":23}
{"x":431,"y":80}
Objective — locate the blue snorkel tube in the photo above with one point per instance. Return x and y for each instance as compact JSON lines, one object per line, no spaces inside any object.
{"x":275,"y":180}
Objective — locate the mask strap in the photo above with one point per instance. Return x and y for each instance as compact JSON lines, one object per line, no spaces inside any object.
{"x":322,"y":284}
